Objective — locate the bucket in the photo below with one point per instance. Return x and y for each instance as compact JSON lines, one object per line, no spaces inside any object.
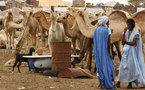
{"x":61,"y":55}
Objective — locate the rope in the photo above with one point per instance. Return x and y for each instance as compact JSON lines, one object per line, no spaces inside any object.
{"x":95,"y":77}
{"x":54,"y":31}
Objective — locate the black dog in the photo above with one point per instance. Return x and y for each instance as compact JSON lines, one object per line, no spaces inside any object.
{"x":20,"y":59}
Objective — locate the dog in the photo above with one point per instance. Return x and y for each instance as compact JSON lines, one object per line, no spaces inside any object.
{"x":19,"y":59}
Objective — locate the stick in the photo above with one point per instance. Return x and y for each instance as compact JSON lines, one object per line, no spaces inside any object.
{"x":112,"y":71}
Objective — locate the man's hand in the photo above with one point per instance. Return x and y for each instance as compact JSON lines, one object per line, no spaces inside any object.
{"x":125,"y":29}
{"x":111,"y":56}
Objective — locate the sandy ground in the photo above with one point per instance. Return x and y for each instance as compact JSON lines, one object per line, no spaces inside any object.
{"x":37,"y":81}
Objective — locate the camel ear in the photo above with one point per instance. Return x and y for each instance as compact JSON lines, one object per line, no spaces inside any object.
{"x":10,"y":13}
{"x":31,"y":13}
{"x":85,"y":9}
{"x":80,"y":12}
{"x":67,"y":15}
{"x":52,"y":8}
{"x":59,"y":14}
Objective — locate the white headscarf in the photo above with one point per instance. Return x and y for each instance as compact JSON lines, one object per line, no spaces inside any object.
{"x":103,"y":20}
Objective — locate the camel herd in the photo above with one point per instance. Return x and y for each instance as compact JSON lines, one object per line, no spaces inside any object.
{"x":74,"y":24}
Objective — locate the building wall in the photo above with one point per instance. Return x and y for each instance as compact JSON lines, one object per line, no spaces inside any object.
{"x":48,"y":3}
{"x":78,"y":3}
{"x":35,"y":3}
{"x":15,"y":4}
{"x":2,"y":8}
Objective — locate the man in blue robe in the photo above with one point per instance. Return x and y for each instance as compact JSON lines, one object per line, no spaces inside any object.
{"x":102,"y":53}
{"x":132,"y":68}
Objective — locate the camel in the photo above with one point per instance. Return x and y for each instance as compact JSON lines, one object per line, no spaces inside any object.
{"x":31,"y":24}
{"x":114,"y":18}
{"x":10,"y":27}
{"x":71,"y":30}
{"x":44,"y":23}
{"x":74,"y":33}
{"x":56,"y":30}
{"x":3,"y":39}
{"x":140,"y":21}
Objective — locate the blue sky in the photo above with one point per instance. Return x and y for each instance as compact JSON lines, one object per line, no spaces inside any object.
{"x":103,"y":1}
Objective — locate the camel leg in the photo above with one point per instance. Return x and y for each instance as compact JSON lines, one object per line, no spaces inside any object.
{"x":13,"y":40}
{"x":74,"y":45}
{"x":7,"y":43}
{"x":90,"y":56}
{"x":50,"y":48}
{"x":34,"y":39}
{"x":84,"y":47}
{"x":10,"y":41}
{"x":118,"y":49}
{"x":112,"y":49}
{"x":43,"y":37}
{"x":89,"y":64}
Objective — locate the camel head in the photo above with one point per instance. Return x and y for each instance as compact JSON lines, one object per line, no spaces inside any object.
{"x":38,"y":14}
{"x":63,"y":18}
{"x":9,"y":16}
{"x":22,"y":13}
{"x":74,"y":12}
{"x":53,"y":14}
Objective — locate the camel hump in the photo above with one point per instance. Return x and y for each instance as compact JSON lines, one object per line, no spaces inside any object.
{"x":139,"y":14}
{"x":119,"y":15}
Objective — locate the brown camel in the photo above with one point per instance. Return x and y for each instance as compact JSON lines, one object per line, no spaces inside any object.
{"x":31,"y":24}
{"x":140,"y":21}
{"x":114,"y":18}
{"x":71,"y":30}
{"x":10,"y":27}
{"x":44,"y":23}
{"x":74,"y":33}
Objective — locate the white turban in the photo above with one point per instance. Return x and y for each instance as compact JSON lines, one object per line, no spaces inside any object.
{"x":103,"y":20}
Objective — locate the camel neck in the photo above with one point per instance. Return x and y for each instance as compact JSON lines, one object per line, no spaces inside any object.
{"x":66,"y":29}
{"x":85,"y":30}
{"x":53,"y":25}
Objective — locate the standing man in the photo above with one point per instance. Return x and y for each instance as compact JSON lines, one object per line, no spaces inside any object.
{"x":102,"y":53}
{"x":132,"y":68}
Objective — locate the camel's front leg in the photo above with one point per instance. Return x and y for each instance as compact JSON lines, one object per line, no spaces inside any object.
{"x":34,"y":39}
{"x":7,"y":42}
{"x":74,"y":45}
{"x":10,"y":41}
{"x":50,"y":46}
{"x":13,"y":40}
{"x":43,"y":37}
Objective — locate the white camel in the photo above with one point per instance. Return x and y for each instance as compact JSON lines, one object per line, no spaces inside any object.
{"x":56,"y":31}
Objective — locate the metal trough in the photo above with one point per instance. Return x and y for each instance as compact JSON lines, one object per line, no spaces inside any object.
{"x":44,"y":61}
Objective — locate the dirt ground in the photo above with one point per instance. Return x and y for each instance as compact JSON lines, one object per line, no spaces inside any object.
{"x":37,"y":81}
